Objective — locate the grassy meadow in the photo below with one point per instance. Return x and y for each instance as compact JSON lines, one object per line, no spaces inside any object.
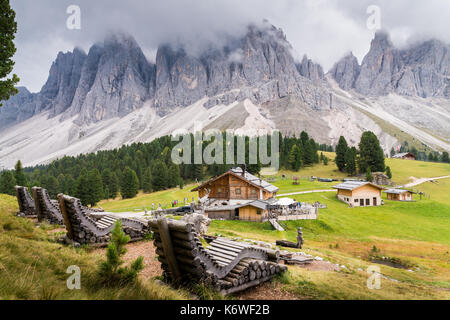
{"x":415,"y":235}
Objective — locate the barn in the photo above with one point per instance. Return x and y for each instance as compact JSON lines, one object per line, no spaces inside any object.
{"x":359,"y":193}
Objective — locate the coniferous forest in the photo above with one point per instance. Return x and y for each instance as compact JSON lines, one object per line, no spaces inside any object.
{"x":145,"y":166}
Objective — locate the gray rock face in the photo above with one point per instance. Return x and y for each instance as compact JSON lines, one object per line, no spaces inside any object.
{"x":115,"y":78}
{"x":59,"y":90}
{"x":308,"y":69}
{"x":346,"y":71}
{"x":422,"y":70}
{"x":121,"y":81}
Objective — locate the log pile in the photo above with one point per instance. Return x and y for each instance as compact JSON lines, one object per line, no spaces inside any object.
{"x":227,"y":266}
{"x":83,"y":229}
{"x":46,"y":209}
{"x":27,"y":207}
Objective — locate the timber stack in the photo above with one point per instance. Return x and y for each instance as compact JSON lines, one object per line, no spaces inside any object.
{"x":27,"y":207}
{"x":225,"y":265}
{"x":46,"y":208}
{"x":83,"y":228}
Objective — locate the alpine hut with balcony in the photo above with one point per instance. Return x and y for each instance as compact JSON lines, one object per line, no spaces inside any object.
{"x":237,"y":194}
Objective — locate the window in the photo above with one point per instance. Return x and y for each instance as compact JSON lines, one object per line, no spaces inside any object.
{"x":367,"y":202}
{"x":356,"y":200}
{"x":238,"y":190}
{"x":258,"y":211}
{"x":253,"y":191}
{"x":219,"y":190}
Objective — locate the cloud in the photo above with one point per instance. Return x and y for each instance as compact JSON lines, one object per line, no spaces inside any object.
{"x":325,"y":30}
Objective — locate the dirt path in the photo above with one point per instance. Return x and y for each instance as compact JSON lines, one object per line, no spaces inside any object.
{"x":416,"y":181}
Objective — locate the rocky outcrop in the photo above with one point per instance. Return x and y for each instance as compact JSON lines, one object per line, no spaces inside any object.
{"x":308,"y":69}
{"x":421,"y":70}
{"x":346,"y":71}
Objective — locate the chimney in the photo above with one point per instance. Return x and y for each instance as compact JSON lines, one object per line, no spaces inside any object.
{"x":244,"y":168}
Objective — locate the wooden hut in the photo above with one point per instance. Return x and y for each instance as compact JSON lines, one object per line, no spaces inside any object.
{"x":399,"y":194}
{"x":405,"y":156}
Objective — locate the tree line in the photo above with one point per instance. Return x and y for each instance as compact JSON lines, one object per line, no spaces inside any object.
{"x":145,"y":166}
{"x":365,"y":160}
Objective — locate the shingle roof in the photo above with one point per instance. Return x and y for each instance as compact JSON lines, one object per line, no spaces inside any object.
{"x":248,"y":177}
{"x":351,"y":185}
{"x":257,"y":204}
{"x":255,"y":180}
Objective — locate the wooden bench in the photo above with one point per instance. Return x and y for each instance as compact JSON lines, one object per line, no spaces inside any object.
{"x":227,"y":266}
{"x":46,"y":208}
{"x":27,"y":207}
{"x":84,"y":229}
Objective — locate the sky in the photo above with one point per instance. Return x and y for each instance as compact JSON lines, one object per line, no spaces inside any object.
{"x":324,"y":30}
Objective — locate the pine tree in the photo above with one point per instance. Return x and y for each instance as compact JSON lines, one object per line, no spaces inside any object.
{"x":445,"y":157}
{"x":95,"y":187}
{"x":147,"y":181}
{"x":81,"y":187}
{"x":173,"y":176}
{"x":111,"y":272}
{"x":350,"y":160}
{"x":129,"y":186}
{"x":19,"y":174}
{"x":7,"y":183}
{"x":341,"y":150}
{"x":388,"y":172}
{"x":8,"y":28}
{"x":392,"y":152}
{"x":371,"y":154}
{"x":160,"y":176}
{"x":369,"y":175}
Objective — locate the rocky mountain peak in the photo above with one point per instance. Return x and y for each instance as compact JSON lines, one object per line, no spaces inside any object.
{"x":346,"y":71}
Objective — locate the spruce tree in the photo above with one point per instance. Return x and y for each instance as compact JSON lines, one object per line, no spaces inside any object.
{"x":160,"y":176}
{"x":445,"y":157}
{"x":350,"y":160}
{"x":95,"y":187}
{"x":7,"y":183}
{"x":341,"y":150}
{"x":371,"y":154}
{"x":111,"y":272}
{"x":147,"y":181}
{"x":81,"y":187}
{"x":19,"y":174}
{"x":8,"y":29}
{"x":129,"y":186}
{"x":388,"y":172}
{"x":369,"y":175}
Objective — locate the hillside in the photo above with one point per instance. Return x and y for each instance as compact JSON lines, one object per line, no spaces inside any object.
{"x":414,"y":235}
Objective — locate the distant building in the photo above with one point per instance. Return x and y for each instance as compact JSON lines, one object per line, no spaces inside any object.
{"x":399,"y":194}
{"x":405,"y":156}
{"x":380,"y":178}
{"x":359,"y":193}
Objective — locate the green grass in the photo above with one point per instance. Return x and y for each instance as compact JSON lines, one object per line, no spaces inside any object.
{"x":144,"y":200}
{"x":403,"y":169}
{"x":33,"y":265}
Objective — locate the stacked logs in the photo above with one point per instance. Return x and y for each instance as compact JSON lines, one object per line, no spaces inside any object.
{"x":27,"y":207}
{"x":46,"y":209}
{"x":81,"y":228}
{"x":226,"y":265}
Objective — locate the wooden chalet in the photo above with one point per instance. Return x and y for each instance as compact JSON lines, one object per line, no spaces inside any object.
{"x":359,"y":193}
{"x":405,"y":156}
{"x":237,"y":184}
{"x":237,"y":195}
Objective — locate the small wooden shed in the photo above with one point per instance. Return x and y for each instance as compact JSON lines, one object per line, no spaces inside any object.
{"x":399,"y":194}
